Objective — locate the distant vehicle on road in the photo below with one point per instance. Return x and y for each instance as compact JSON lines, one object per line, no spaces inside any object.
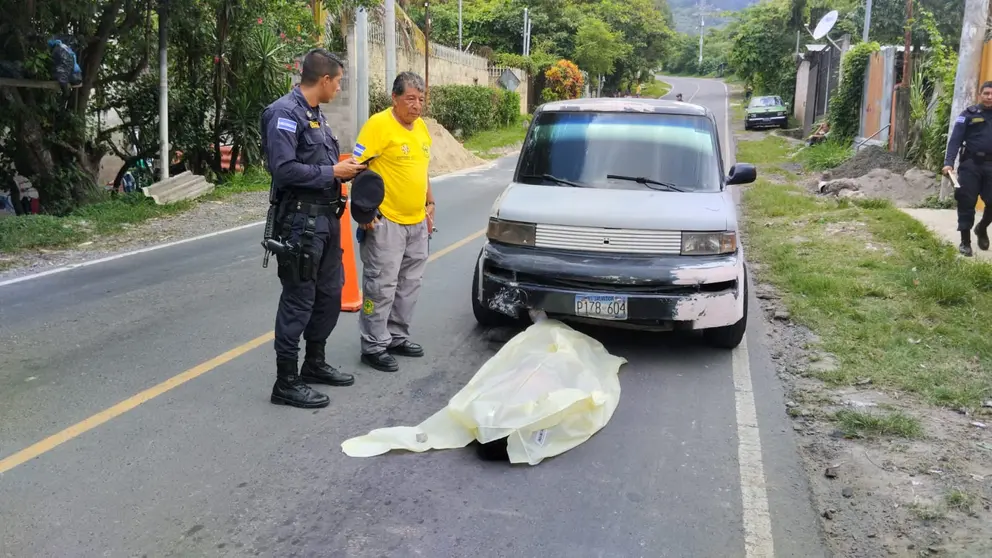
{"x":767,"y":111}
{"x":618,"y":213}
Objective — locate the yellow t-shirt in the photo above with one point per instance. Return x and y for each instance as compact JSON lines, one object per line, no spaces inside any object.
{"x":402,"y":159}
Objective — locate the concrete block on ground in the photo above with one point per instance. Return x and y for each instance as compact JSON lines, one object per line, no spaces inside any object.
{"x":944,"y":224}
{"x":183,"y":186}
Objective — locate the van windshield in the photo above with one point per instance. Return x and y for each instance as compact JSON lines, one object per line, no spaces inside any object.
{"x":584,"y":147}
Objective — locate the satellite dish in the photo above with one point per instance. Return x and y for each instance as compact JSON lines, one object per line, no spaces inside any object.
{"x":825,"y":25}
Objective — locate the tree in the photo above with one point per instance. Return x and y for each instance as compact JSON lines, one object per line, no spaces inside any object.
{"x":763,"y":43}
{"x":47,"y":134}
{"x":597,"y":47}
{"x":227,"y":60}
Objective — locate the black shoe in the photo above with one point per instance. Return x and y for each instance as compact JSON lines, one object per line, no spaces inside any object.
{"x":316,"y":370}
{"x":407,"y":349}
{"x":965,"y":250}
{"x":982,"y":234}
{"x":384,"y":362}
{"x":289,"y":389}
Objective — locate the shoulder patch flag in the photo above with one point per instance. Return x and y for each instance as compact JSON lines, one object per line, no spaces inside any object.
{"x":960,"y":120}
{"x":286,"y":124}
{"x":358,"y":151}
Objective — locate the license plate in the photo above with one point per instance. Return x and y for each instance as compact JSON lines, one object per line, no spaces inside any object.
{"x":602,"y":307}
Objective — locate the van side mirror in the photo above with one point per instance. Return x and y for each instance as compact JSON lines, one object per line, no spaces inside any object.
{"x":742,"y":173}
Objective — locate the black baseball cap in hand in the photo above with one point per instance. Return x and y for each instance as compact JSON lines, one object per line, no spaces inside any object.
{"x":367,"y":192}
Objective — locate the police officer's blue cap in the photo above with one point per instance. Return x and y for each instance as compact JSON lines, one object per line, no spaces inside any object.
{"x":367,"y":192}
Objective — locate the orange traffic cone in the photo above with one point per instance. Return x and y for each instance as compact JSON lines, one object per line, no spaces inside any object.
{"x":351,"y":296}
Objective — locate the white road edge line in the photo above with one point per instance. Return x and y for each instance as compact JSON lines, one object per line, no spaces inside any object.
{"x":758,"y":539}
{"x":62,"y":269}
{"x":126,"y":254}
{"x":693,"y":96}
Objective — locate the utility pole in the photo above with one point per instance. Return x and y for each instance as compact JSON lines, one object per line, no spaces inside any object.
{"x":390,"y":31}
{"x":526,"y":29}
{"x":530,"y":26}
{"x":362,"y":65}
{"x":163,"y":89}
{"x":864,"y":32}
{"x":701,"y":24}
{"x":973,"y":28}
{"x":459,"y":24}
{"x":427,"y":53}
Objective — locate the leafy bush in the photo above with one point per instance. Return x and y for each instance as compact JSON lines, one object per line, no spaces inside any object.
{"x":826,"y":155}
{"x":845,"y":105}
{"x":473,"y":108}
{"x":931,"y":93}
{"x":564,"y":80}
{"x":379,"y":97}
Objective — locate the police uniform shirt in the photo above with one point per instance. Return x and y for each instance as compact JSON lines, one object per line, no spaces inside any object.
{"x":300,"y":148}
{"x":973,"y":128}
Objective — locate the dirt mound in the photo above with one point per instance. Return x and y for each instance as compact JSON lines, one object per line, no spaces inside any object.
{"x":447,"y":154}
{"x":867,"y":160}
{"x":903,"y":190}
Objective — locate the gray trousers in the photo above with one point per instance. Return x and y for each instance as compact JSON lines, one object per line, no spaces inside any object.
{"x":393,"y":260}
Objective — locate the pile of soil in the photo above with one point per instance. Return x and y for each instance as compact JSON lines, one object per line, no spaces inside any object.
{"x":903,"y":190}
{"x":447,"y":154}
{"x":867,"y":160}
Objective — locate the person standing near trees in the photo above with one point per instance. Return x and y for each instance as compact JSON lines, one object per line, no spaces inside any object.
{"x":393,"y":247}
{"x":972,"y":136}
{"x":301,"y":154}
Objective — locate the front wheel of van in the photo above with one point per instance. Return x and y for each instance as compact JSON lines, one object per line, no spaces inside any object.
{"x":729,"y":337}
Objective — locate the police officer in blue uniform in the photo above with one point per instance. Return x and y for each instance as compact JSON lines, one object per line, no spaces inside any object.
{"x":302,"y":156}
{"x":973,"y":129}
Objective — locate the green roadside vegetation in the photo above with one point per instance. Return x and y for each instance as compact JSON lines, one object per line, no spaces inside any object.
{"x":491,"y":144}
{"x":655,"y":89}
{"x":48,"y":232}
{"x":892,"y":302}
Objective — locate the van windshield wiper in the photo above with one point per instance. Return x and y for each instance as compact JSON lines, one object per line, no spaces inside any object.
{"x":647,"y":182}
{"x":555,"y":179}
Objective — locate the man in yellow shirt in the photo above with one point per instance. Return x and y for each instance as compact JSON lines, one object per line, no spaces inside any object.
{"x":397,"y":146}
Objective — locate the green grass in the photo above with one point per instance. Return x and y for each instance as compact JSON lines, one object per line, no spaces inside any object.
{"x":33,"y":232}
{"x":655,"y":89}
{"x":770,"y":150}
{"x":887,"y":297}
{"x":823,"y":156}
{"x":959,"y":500}
{"x":858,"y":424}
{"x":484,"y":143}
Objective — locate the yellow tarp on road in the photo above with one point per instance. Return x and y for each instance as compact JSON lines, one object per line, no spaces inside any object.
{"x":549,"y":389}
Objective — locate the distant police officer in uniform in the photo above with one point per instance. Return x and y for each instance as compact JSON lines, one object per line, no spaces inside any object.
{"x":973,"y":129}
{"x":302,"y":156}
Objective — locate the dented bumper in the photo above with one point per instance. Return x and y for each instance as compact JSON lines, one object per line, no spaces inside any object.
{"x":658,"y":292}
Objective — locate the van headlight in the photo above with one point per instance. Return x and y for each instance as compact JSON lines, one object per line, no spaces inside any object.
{"x":511,"y":232}
{"x":708,"y":243}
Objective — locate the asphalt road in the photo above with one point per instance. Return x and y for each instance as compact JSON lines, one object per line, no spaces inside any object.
{"x":208,"y":467}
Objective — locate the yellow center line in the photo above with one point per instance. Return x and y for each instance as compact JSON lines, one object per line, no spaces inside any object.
{"x":119,"y":409}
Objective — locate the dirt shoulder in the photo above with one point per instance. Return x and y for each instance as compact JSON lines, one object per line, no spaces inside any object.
{"x":35,"y":243}
{"x":881,"y":336}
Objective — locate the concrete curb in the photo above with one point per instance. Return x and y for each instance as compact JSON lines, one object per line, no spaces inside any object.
{"x":183,"y":186}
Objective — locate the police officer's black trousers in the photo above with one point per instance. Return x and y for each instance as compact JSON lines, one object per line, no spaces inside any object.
{"x":310,"y":307}
{"x":976,"y":180}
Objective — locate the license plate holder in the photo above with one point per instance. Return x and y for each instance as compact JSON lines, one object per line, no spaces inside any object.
{"x":601,"y":307}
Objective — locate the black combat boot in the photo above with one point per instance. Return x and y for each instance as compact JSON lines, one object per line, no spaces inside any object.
{"x":316,"y":370}
{"x":982,"y":230}
{"x":965,"y":247}
{"x":290,"y":389}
